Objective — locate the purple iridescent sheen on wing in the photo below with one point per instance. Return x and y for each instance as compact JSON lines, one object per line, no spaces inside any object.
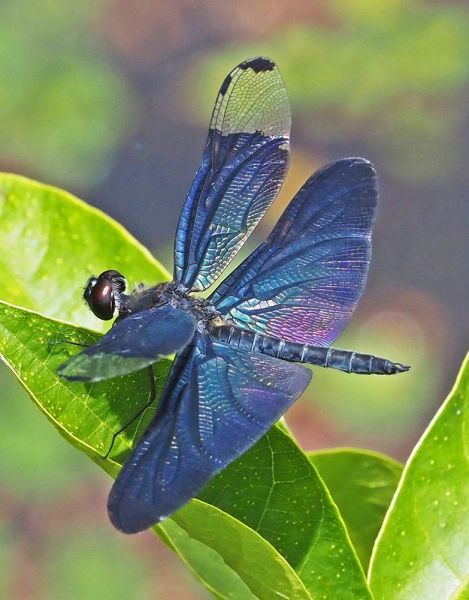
{"x":304,"y":282}
{"x":218,"y":401}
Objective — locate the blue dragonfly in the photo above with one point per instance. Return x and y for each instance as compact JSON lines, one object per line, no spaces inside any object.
{"x":234,"y":374}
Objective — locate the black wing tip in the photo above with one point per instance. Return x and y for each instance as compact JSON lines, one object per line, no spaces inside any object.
{"x":258,"y":64}
{"x":225,"y":85}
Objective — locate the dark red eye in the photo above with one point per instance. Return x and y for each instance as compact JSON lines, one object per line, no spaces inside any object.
{"x":100,"y":293}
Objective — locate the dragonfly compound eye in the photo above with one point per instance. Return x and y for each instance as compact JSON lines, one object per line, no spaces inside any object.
{"x":101,"y":293}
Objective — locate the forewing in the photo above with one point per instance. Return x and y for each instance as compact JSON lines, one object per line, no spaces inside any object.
{"x":218,"y":402}
{"x":304,"y":282}
{"x":243,"y":167}
{"x":133,"y":342}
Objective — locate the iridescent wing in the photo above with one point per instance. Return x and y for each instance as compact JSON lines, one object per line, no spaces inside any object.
{"x":304,"y":282}
{"x":218,"y":402}
{"x":243,"y":167}
{"x":133,"y":342}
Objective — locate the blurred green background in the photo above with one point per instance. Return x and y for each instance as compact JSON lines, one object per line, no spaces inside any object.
{"x":110,"y":99}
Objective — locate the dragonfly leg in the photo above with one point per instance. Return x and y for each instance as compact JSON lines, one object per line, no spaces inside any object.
{"x":61,"y":340}
{"x":148,"y":403}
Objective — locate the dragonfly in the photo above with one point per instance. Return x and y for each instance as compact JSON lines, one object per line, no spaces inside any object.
{"x":238,"y":352}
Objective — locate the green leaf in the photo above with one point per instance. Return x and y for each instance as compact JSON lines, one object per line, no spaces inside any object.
{"x":284,"y":513}
{"x":53,"y":468}
{"x":422,"y":550}
{"x":51,"y":243}
{"x":275,"y":490}
{"x":231,"y":559}
{"x":282,"y":498}
{"x":87,"y":414}
{"x":362,"y":484}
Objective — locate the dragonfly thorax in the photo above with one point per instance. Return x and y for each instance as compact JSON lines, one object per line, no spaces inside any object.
{"x":106,"y":298}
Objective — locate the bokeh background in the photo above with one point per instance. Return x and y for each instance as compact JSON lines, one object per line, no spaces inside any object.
{"x":110,"y":99}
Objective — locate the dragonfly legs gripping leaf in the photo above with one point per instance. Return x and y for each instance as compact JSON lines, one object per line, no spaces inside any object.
{"x":61,"y":340}
{"x":141,"y":411}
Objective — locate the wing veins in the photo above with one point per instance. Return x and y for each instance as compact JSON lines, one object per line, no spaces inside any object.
{"x":202,"y":244}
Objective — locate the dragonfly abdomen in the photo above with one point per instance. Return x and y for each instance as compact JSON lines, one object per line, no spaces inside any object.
{"x":343,"y":360}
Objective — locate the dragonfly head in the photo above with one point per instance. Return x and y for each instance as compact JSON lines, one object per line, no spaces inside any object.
{"x":103,"y":294}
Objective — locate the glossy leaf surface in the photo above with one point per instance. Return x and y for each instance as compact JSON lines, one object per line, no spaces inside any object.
{"x":423,"y":550}
{"x":271,"y":500}
{"x":51,"y":243}
{"x":275,"y":490}
{"x":88,"y":414}
{"x":362,"y":484}
{"x":232,"y":560}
